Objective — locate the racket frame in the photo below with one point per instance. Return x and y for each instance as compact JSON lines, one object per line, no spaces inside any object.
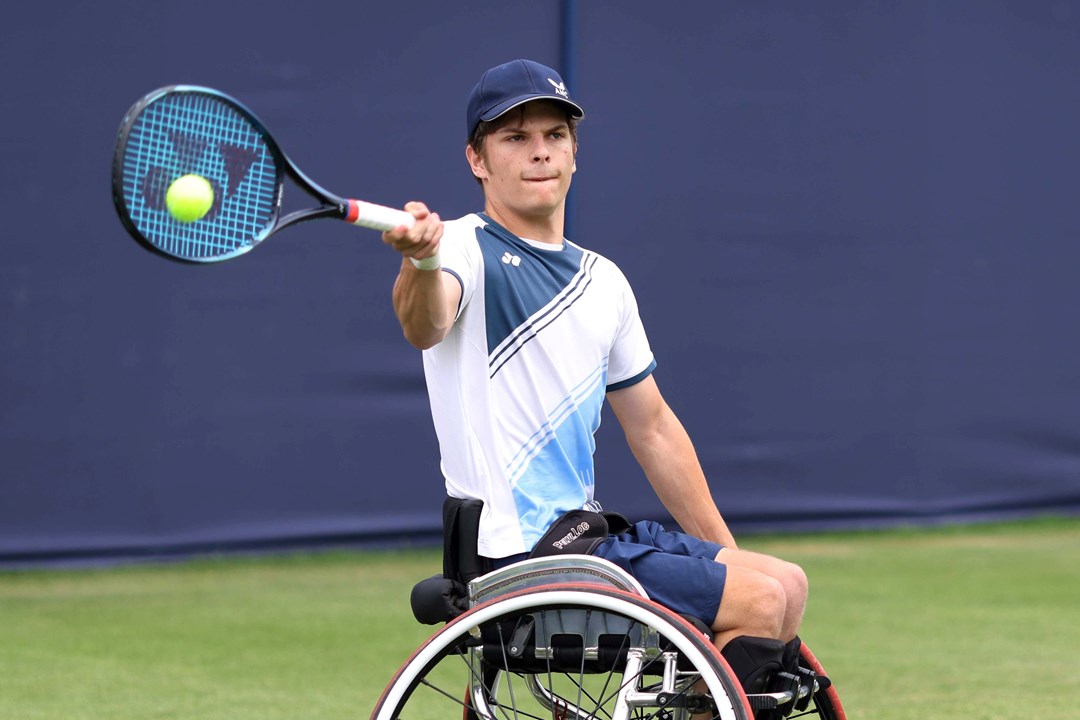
{"x":332,"y":206}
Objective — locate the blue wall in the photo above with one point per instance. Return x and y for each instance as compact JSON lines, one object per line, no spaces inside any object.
{"x":852,"y":229}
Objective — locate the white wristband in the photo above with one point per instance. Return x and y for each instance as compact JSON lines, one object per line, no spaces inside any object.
{"x":428,"y":263}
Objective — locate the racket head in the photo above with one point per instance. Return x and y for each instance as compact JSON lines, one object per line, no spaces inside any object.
{"x":185,"y":129}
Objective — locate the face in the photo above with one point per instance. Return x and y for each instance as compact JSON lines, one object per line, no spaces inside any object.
{"x":525,"y":165}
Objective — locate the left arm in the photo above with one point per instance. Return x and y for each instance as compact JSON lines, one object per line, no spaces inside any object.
{"x":664,"y":450}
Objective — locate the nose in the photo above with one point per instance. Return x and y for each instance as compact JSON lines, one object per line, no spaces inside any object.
{"x":540,"y":152}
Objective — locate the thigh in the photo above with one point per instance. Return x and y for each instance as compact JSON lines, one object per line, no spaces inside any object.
{"x":790,"y":576}
{"x":691,"y":584}
{"x":753,"y":604}
{"x":767,"y":564}
{"x":652,"y":534}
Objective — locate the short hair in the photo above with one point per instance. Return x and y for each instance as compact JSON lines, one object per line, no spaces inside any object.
{"x":485,"y":128}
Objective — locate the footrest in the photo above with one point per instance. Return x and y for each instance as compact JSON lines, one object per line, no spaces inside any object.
{"x":796,"y":696}
{"x":767,"y":701}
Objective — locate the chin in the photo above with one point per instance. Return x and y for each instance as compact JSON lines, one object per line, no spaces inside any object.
{"x":546,"y":202}
{"x":542,"y":209}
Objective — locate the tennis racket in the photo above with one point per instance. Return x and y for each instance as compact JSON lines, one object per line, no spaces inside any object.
{"x":182,"y":129}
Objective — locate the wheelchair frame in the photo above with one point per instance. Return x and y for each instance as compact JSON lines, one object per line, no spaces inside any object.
{"x":574,"y":637}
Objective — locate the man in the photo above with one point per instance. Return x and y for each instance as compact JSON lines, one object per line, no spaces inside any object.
{"x":525,"y":334}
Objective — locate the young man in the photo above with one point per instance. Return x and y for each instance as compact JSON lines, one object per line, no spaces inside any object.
{"x":525,"y":334}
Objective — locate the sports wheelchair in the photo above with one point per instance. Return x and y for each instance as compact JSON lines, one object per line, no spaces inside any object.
{"x":569,"y":637}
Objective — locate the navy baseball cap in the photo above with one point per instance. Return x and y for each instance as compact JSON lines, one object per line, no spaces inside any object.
{"x":504,"y":87}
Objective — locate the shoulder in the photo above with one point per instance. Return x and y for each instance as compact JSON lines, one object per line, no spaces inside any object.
{"x":602,"y":264}
{"x":601,"y":260}
{"x":459,"y":245}
{"x":463,"y":227}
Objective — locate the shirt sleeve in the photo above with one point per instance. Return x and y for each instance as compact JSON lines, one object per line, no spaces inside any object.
{"x":459,"y":254}
{"x":631,"y":359}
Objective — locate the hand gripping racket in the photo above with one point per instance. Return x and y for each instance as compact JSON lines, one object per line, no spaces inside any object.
{"x":181,"y":130}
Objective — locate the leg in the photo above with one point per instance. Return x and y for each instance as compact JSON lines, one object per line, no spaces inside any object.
{"x":762,"y":595}
{"x":757,"y":621}
{"x":753,"y":604}
{"x":790,"y":577}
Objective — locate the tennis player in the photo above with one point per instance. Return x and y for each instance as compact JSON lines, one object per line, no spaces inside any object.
{"x":524,"y":335}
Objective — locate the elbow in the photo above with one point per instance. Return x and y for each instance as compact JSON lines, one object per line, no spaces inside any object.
{"x":421,"y":344}
{"x":423,"y":340}
{"x":423,"y":328}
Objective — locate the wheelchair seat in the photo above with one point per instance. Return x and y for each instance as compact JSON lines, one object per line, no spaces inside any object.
{"x":468,"y":579}
{"x":536,"y":572}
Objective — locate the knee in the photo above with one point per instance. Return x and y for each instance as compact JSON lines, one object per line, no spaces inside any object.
{"x":796,"y":586}
{"x":753,"y":603}
{"x":769,"y":605}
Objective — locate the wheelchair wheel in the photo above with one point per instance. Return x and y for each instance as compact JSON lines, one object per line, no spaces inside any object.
{"x":569,"y":651}
{"x":825,"y":703}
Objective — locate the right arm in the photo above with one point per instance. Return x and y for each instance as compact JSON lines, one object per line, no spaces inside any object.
{"x":425,"y":301}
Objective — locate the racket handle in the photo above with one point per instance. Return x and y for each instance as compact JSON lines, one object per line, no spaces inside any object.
{"x":377,"y":217}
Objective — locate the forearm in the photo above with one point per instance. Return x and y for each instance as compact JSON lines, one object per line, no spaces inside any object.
{"x":421,"y":305}
{"x":424,"y":301}
{"x":672,"y":467}
{"x":664,"y":450}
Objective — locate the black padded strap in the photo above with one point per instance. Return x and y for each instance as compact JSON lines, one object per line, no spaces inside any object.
{"x":438,"y":600}
{"x":754,"y":660}
{"x":461,"y":532}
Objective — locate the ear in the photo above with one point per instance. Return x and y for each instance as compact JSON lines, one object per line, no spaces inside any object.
{"x":476,"y":163}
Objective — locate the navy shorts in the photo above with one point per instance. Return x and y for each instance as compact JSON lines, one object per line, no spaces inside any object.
{"x":677,"y":570}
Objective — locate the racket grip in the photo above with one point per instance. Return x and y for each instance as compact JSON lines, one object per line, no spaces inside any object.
{"x":377,"y":217}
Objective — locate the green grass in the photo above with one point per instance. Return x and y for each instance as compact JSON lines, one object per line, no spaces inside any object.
{"x":979,"y":623}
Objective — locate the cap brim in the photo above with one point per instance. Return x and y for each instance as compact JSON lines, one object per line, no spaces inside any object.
{"x":508,"y":105}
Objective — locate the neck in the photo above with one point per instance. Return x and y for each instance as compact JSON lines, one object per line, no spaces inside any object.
{"x":542,"y":228}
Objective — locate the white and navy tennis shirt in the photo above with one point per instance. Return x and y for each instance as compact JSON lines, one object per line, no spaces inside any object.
{"x":516,"y":388}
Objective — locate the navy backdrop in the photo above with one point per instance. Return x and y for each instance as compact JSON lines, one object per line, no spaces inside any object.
{"x":852,"y":228}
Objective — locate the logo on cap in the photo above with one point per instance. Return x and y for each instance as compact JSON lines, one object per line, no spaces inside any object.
{"x":560,"y":88}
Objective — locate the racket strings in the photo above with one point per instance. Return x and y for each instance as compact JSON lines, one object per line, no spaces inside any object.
{"x":183,"y":133}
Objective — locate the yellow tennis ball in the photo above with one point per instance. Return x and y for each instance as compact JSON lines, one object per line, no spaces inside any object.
{"x":189,"y":198}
